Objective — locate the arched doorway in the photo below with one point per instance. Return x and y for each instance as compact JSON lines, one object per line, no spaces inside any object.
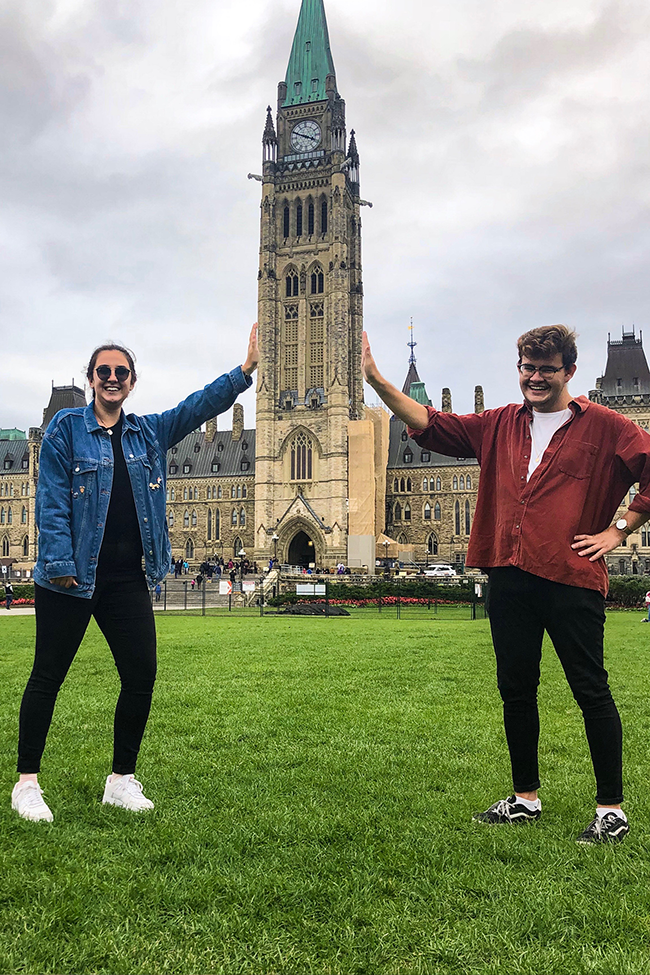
{"x":301,"y":550}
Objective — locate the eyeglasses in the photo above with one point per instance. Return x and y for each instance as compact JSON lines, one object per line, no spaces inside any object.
{"x":527,"y":369}
{"x":105,"y":372}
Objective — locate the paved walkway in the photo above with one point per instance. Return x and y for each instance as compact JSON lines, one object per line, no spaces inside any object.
{"x":17,"y":611}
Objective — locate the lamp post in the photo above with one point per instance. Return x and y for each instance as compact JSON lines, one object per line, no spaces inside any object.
{"x":386,"y":543}
{"x":275,"y":539}
{"x":242,"y":556}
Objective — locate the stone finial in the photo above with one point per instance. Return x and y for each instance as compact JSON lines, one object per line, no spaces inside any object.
{"x":446,"y":400}
{"x":237,"y":421}
{"x":211,"y":430}
{"x":479,"y":402}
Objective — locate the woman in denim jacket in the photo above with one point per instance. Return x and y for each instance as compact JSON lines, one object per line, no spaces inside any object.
{"x":100,"y":511}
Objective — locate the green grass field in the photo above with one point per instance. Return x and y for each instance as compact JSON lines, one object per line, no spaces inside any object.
{"x":314,"y":782}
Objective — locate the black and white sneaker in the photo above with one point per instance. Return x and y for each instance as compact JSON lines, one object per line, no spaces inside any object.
{"x":609,"y":828}
{"x":507,"y":811}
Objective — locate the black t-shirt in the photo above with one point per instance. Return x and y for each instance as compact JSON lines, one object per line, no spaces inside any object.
{"x":121,"y":551}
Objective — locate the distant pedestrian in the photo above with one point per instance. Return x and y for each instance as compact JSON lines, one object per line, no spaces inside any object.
{"x":158,"y":591}
{"x":193,"y":583}
{"x":9,"y":594}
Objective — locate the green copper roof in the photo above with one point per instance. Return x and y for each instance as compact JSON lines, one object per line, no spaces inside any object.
{"x":311,"y":59}
{"x":419,"y":394}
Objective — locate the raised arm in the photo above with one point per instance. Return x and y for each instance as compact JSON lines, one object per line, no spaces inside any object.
{"x":412,"y":413}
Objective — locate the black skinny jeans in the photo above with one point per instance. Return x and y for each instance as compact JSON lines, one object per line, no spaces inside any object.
{"x":521,"y":607}
{"x":122,"y":609}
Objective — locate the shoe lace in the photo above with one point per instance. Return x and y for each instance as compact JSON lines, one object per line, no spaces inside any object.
{"x":33,"y":796}
{"x":503,"y":808}
{"x":132,"y":785}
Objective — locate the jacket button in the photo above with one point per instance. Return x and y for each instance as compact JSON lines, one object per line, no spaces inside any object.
{"x":130,"y":456}
{"x":76,"y":470}
{"x":146,"y":519}
{"x":150,"y":551}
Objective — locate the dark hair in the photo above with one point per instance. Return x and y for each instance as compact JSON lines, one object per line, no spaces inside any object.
{"x":548,"y":341}
{"x":111,"y":347}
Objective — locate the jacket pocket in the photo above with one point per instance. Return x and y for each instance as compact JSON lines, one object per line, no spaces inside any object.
{"x":84,"y":485}
{"x":577,"y":459}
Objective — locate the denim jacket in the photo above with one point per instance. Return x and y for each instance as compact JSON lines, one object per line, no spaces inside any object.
{"x":76,"y":477}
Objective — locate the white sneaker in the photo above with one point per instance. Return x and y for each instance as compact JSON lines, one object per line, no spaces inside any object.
{"x":127,"y":793}
{"x":27,"y":800}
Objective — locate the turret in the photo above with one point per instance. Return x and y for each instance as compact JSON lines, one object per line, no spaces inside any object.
{"x":269,"y":139}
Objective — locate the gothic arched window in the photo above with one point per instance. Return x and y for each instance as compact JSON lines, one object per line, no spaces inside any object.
{"x":468,"y":518}
{"x":317,"y":281}
{"x":291,"y":284}
{"x":457,"y":518}
{"x":407,"y":512}
{"x":398,"y":512}
{"x":425,"y":483}
{"x":468,"y":482}
{"x":402,"y":485}
{"x":209,"y":525}
{"x":5,"y":547}
{"x":438,"y":484}
{"x":310,"y":218}
{"x":454,"y":483}
{"x":432,"y":544}
{"x":427,"y":511}
{"x":233,"y":517}
{"x":395,"y":485}
{"x":10,"y":516}
{"x":462,"y":482}
{"x":298,"y":218}
{"x":301,"y":458}
{"x":242,"y":518}
{"x":323,"y":217}
{"x":436,"y":511}
{"x":194,"y":519}
{"x":25,"y":546}
{"x":286,"y":221}
{"x":409,"y":487}
{"x":189,"y":549}
{"x":402,"y":539}
{"x":186,"y":520}
{"x":170,"y":518}
{"x":23,"y":516}
{"x":217,"y":524}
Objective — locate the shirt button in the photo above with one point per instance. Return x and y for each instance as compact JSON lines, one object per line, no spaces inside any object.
{"x":525,"y":456}
{"x":521,"y":502}
{"x":516,"y":526}
{"x":522,"y":477}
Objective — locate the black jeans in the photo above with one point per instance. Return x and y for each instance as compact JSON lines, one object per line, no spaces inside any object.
{"x":521,"y":607}
{"x":122,"y":609}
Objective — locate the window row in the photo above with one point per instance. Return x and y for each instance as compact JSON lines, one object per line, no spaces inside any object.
{"x":404,"y":485}
{"x":10,"y":461}
{"x":6,"y":547}
{"x":313,"y":348}
{"x":300,"y":219}
{"x":188,"y":548}
{"x":462,"y":514}
{"x":190,"y":520}
{"x":7,"y":490}
{"x":7,"y":516}
{"x":213,"y":492}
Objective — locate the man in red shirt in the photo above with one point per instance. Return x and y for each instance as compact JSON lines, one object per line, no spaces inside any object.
{"x":553,"y":472}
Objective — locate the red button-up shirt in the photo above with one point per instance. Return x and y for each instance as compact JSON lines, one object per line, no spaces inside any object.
{"x":588,"y":467}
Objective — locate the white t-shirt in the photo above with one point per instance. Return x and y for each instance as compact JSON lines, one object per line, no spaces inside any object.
{"x":542,"y":428}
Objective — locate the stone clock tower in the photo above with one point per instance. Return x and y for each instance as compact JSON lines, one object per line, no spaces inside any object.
{"x":309,"y":311}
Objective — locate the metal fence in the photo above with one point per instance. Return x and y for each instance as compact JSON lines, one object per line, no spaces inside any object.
{"x":261,"y":596}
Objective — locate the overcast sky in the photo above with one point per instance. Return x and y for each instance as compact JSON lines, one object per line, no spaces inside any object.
{"x":505,"y":148}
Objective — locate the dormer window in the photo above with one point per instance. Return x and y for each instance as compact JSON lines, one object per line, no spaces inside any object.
{"x":174,"y":449}
{"x":187,"y":467}
{"x":244,"y":445}
{"x":245,"y":464}
{"x":219,"y":447}
{"x":173,"y":468}
{"x":25,"y":463}
{"x":405,"y":435}
{"x":425,"y":456}
{"x":9,"y":463}
{"x":197,"y":447}
{"x":314,"y":84}
{"x":297,"y":88}
{"x":215,"y":466}
{"x":408,"y":456}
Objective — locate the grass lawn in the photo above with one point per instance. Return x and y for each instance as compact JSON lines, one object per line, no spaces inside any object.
{"x":314,"y":782}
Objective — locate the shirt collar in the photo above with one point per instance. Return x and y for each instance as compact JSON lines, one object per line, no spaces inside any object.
{"x":579,"y":405}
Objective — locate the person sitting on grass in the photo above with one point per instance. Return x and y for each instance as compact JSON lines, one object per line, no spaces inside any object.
{"x":100,"y":508}
{"x":553,"y":472}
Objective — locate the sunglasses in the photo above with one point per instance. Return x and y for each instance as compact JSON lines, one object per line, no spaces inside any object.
{"x":105,"y":372}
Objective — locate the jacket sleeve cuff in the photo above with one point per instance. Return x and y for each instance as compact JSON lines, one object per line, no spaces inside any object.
{"x":240,"y":380}
{"x":54,"y":570}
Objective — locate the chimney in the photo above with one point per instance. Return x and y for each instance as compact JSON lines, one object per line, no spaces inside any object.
{"x":446,"y":400}
{"x":237,"y":421}
{"x":210,"y":430}
{"x":479,"y":402}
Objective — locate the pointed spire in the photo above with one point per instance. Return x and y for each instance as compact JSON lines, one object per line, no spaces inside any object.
{"x":269,"y":139}
{"x":269,"y":128}
{"x":353,"y":152}
{"x":310,"y":72}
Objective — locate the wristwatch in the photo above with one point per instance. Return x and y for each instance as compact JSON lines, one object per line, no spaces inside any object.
{"x":623,"y":526}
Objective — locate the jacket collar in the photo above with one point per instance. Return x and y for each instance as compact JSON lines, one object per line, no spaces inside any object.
{"x":92,"y":425}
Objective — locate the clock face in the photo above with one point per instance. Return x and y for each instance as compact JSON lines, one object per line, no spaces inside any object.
{"x":305,"y":136}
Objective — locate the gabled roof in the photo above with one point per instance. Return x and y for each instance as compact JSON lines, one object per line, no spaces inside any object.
{"x":627,"y":368}
{"x":200,"y":455}
{"x":63,"y":398}
{"x":310,"y":61}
